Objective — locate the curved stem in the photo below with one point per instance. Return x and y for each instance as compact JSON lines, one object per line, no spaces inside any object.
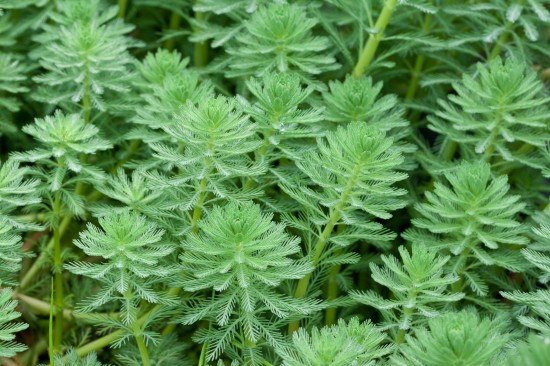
{"x":371,"y":46}
{"x":143,"y":350}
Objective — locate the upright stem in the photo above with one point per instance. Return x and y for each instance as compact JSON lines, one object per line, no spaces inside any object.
{"x":122,"y":5}
{"x":371,"y":46}
{"x":143,"y":351}
{"x":174,"y":24}
{"x":459,"y":270}
{"x":35,"y":268}
{"x":200,"y":55}
{"x":332,"y":293}
{"x":197,"y":213}
{"x":197,"y":210}
{"x":332,"y":286}
{"x":419,"y":63}
{"x":407,"y":311}
{"x":142,"y":348}
{"x":58,"y":275}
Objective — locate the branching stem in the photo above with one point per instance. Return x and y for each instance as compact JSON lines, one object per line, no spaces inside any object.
{"x":303,"y":284}
{"x":371,"y":46}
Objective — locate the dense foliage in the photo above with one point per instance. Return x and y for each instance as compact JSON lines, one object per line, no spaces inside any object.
{"x":282,"y":182}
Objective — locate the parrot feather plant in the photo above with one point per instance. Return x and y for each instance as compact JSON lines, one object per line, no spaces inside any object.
{"x":274,"y":183}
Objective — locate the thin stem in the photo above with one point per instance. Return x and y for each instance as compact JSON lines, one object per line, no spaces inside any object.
{"x":35,"y":268}
{"x":332,"y":286}
{"x":303,"y":284}
{"x":197,"y":210}
{"x":202,"y":357}
{"x":122,"y":5}
{"x":174,"y":24}
{"x":197,"y":213}
{"x":50,"y":328}
{"x":111,"y":337}
{"x":58,"y":276}
{"x":459,"y":269}
{"x":40,"y":307}
{"x":200,"y":54}
{"x":371,"y":46}
{"x":407,"y":311}
{"x":332,"y":293}
{"x":419,"y":63}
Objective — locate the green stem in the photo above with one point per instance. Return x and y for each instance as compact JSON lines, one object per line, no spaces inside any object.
{"x":122,"y":5}
{"x":202,"y":357}
{"x":332,"y":286}
{"x":200,"y":54}
{"x":419,"y":63}
{"x":371,"y":46}
{"x":174,"y":24}
{"x":459,"y":269}
{"x":197,"y":210}
{"x":407,"y":311}
{"x":50,"y":329}
{"x":262,"y":152}
{"x":35,"y":268}
{"x":303,"y":284}
{"x":332,"y":293}
{"x":58,"y":275}
{"x":197,"y":213}
{"x":40,"y":307}
{"x":142,"y":349}
{"x":111,"y":337}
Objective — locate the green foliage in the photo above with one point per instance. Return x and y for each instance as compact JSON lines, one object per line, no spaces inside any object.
{"x":418,"y":285}
{"x":278,"y":114}
{"x":169,"y":351}
{"x":242,"y":255}
{"x":10,"y":253}
{"x":132,"y":248}
{"x":279,"y":38}
{"x":461,"y":338}
{"x":358,"y":100}
{"x":534,"y":352}
{"x":167,"y":85}
{"x":351,"y":343}
{"x":355,"y":166}
{"x":8,"y":347}
{"x":471,"y":214}
{"x":253,"y":182}
{"x":495,"y":112}
{"x":16,"y":190}
{"x":71,"y":359}
{"x":85,"y":56}
{"x":12,"y":73}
